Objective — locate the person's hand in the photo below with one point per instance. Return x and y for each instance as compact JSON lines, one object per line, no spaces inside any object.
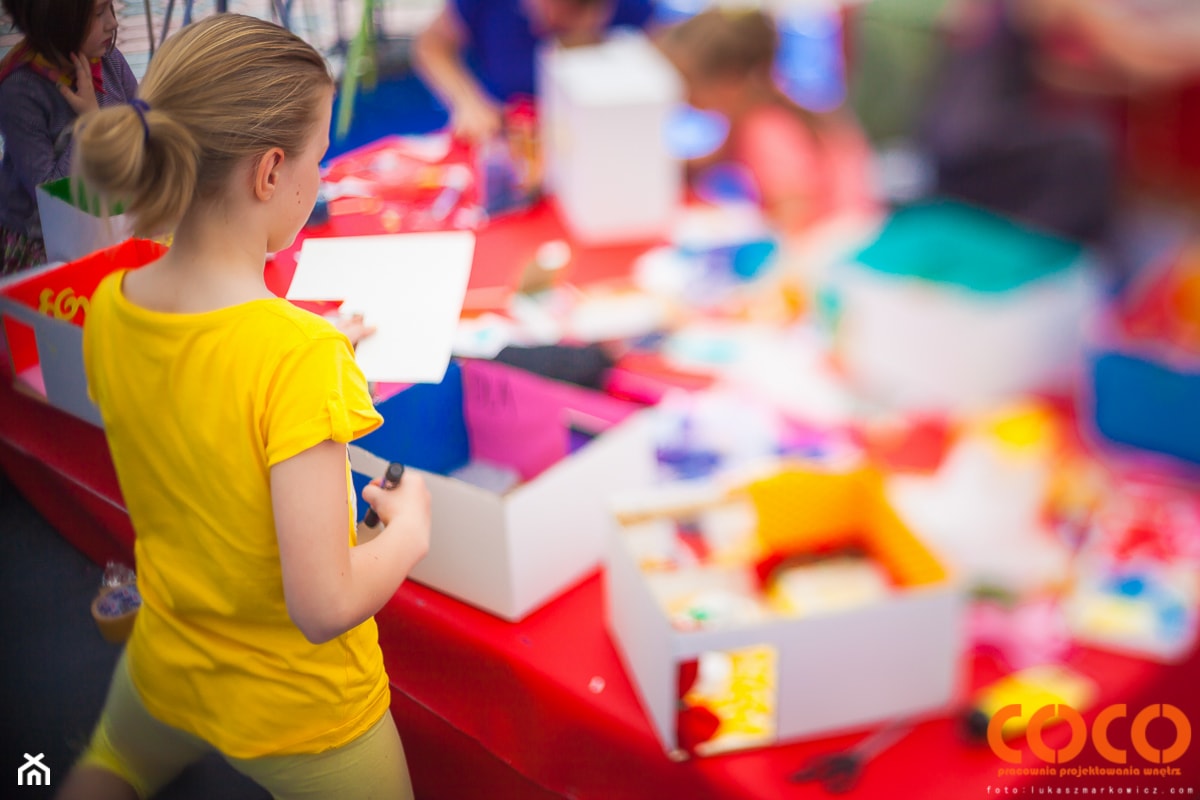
{"x":352,"y":326}
{"x":82,"y":98}
{"x":476,"y":119}
{"x":404,"y":508}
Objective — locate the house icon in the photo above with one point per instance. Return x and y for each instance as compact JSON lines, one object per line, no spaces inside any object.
{"x":33,"y":772}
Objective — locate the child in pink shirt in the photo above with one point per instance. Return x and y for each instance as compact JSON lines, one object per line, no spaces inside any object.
{"x":807,"y":167}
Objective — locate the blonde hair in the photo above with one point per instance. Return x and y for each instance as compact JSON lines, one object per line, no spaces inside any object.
{"x":219,"y":91}
{"x":722,"y":43}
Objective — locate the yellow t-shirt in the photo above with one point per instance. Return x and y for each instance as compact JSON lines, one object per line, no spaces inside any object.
{"x":197,"y":408}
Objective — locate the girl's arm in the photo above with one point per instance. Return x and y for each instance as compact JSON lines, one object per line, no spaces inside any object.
{"x":329,"y":586}
{"x":27,"y":140}
{"x":786,"y":160}
{"x":790,"y":212}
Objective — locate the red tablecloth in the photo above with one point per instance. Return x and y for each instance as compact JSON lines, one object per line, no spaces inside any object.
{"x":543,"y":708}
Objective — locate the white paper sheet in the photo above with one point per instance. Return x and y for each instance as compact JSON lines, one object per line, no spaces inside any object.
{"x":409,"y":286}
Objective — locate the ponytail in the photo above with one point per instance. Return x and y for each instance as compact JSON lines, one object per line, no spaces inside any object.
{"x":142,"y":159}
{"x":220,"y":91}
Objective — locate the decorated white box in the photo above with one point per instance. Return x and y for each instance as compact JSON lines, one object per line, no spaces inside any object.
{"x":833,"y":642}
{"x":953,"y":309}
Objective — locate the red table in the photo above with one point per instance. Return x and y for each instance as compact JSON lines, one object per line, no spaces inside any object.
{"x":543,"y":708}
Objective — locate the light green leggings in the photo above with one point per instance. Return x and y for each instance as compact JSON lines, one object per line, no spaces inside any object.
{"x":148,"y":754}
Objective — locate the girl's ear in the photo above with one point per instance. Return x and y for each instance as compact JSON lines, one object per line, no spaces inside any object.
{"x":266,"y":174}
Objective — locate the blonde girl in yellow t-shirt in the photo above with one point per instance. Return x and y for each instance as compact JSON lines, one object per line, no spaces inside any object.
{"x":227,"y":411}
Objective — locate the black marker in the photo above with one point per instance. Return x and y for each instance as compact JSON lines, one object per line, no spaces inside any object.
{"x":369,"y":527}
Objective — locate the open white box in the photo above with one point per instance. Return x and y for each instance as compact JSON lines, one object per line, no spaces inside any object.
{"x":839,"y":670}
{"x":951,"y":309}
{"x":510,"y":552}
{"x":602,"y":114}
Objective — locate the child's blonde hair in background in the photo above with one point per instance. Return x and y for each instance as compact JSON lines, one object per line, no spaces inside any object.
{"x":219,"y":91}
{"x":722,"y":43}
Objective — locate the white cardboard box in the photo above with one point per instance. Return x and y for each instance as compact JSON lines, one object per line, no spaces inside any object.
{"x":836,"y":671}
{"x":603,"y":112}
{"x":509,"y":553}
{"x":42,"y":313}
{"x":923,"y":346}
{"x":71,"y":232}
{"x":954,"y":309}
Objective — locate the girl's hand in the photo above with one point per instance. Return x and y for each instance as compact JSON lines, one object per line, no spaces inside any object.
{"x":405,"y":508}
{"x":352,"y":326}
{"x":83,"y":98}
{"x":476,"y":119}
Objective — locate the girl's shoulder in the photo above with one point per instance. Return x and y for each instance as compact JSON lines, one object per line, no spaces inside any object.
{"x":22,"y":75}
{"x":262,"y":324}
{"x":771,"y":125}
{"x":288,"y":324}
{"x":116,"y":57}
{"x":118,"y":67}
{"x":23,"y":89}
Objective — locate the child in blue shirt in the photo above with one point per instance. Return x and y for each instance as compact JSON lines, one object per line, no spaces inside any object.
{"x":65,"y":66}
{"x":478,"y":55}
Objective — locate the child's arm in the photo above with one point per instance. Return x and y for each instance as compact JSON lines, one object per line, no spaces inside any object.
{"x":785,"y":160}
{"x":437,"y":56}
{"x":329,"y":586}
{"x":28,"y":143}
{"x":789,"y":212}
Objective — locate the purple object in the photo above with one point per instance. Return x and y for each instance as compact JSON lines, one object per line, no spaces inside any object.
{"x":119,"y":602}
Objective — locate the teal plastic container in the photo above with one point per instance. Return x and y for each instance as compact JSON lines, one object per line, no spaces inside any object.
{"x":951,"y":243}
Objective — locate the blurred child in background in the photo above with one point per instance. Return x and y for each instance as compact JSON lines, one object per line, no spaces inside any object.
{"x":65,"y":65}
{"x":478,"y":55}
{"x":807,"y":167}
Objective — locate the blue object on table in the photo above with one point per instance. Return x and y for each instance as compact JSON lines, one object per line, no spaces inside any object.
{"x":751,"y":258}
{"x":741,"y":261}
{"x":501,"y":180}
{"x":320,"y":211}
{"x":686,"y":463}
{"x":1146,"y":405}
{"x":727,"y":182}
{"x":423,"y":427}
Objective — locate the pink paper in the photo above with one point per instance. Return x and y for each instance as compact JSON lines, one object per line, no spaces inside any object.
{"x":520,"y":420}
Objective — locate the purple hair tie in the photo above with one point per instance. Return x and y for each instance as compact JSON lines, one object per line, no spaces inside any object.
{"x":141,"y":107}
